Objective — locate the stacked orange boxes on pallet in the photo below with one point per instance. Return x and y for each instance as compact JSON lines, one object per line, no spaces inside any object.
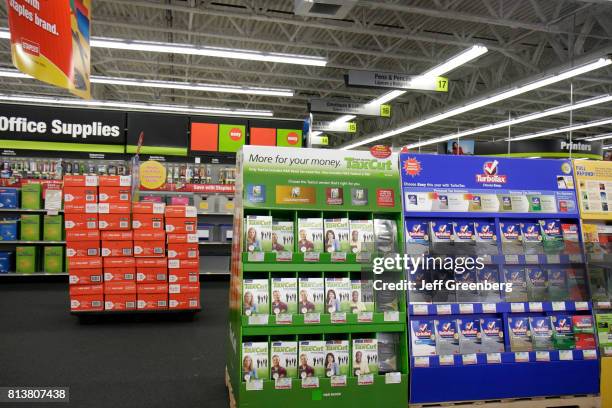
{"x":183,"y":257}
{"x":83,"y":243}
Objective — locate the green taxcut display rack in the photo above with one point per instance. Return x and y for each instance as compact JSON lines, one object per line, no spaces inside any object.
{"x":290,"y":185}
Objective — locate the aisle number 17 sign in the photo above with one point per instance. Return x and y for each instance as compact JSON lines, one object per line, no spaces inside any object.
{"x":394,"y":80}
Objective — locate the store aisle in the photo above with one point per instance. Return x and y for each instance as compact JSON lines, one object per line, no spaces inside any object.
{"x":127,"y":363}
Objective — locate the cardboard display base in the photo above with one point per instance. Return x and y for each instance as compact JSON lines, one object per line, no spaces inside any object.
{"x":588,"y":401}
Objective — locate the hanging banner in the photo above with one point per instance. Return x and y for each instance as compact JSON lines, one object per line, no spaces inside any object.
{"x":333,"y":126}
{"x":343,"y":106}
{"x":393,"y":80}
{"x":50,"y":41}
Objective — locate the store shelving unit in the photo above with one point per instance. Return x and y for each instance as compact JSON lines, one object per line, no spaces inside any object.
{"x":507,"y":374}
{"x":388,"y":390}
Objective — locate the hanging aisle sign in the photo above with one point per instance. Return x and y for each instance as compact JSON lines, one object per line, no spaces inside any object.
{"x":50,"y":41}
{"x":333,"y":126}
{"x":343,"y":106}
{"x":393,"y":80}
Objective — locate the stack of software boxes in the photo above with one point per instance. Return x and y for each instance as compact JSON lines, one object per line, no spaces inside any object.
{"x":183,"y":257}
{"x":83,"y":243}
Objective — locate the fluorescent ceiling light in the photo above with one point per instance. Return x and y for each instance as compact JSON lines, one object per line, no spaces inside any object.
{"x":562,"y":130}
{"x":607,"y":147}
{"x":600,"y":137}
{"x":316,"y":133}
{"x":515,"y":121}
{"x":11,"y":73}
{"x":200,"y":110}
{"x":151,"y":46}
{"x":384,"y":98}
{"x":519,"y":90}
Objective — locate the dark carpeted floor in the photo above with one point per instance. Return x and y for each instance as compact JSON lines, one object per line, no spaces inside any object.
{"x":120,"y":362}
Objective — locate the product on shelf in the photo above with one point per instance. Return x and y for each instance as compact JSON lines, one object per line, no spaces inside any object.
{"x":336,"y":234}
{"x":570,"y":238}
{"x":53,"y":259}
{"x":337,"y":295}
{"x":336,"y":358}
{"x":27,"y":259}
{"x":8,"y":229}
{"x":552,"y":237}
{"x":120,"y":295}
{"x":537,"y":283}
{"x":423,"y":337}
{"x":30,"y":227}
{"x":443,"y":294}
{"x":365,"y":357}
{"x":467,"y":277}
{"x":87,"y":297}
{"x":152,"y":296}
{"x":77,"y":222}
{"x":441,"y":233}
{"x":520,"y":334}
{"x":388,"y":300}
{"x":511,"y":238}
{"x":31,"y":196}
{"x":601,"y":284}
{"x":284,"y":295}
{"x":557,"y":284}
{"x":258,"y":233}
{"x":52,"y":227}
{"x":254,"y":361}
{"x":312,"y":359}
{"x":284,"y":359}
{"x":155,"y":270}
{"x":362,"y":296}
{"x":486,"y":238}
{"x":541,"y":332}
{"x":184,"y":296}
{"x":420,"y":277}
{"x":576,"y":284}
{"x":584,"y":332}
{"x":489,"y":274}
{"x":255,"y":300}
{"x":361,"y":236}
{"x":563,"y":333}
{"x":516,"y":276}
{"x":385,"y":236}
{"x":310,"y":235}
{"x":6,"y":261}
{"x":532,"y":238}
{"x":388,"y":351}
{"x":604,"y":332}
{"x":79,"y":249}
{"x":447,"y":336}
{"x":282,"y":236}
{"x":417,"y":237}
{"x":469,"y":335}
{"x":492,"y":332}
{"x":311,"y":295}
{"x":9,"y":198}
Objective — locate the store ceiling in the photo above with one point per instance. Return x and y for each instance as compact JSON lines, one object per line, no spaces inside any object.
{"x":524,"y":37}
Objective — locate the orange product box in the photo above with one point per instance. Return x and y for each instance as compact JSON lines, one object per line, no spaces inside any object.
{"x":114,"y":208}
{"x":119,"y":262}
{"x":183,"y":251}
{"x":80,"y":181}
{"x":149,"y":235}
{"x":76,"y":290}
{"x":152,"y":275}
{"x":184,"y":287}
{"x":111,"y":288}
{"x":183,"y":263}
{"x":87,"y":303}
{"x":152,"y":301}
{"x":181,"y":211}
{"x":181,"y":225}
{"x":114,"y":221}
{"x":151,"y":263}
{"x":117,"y":248}
{"x":80,"y":195}
{"x":82,"y":235}
{"x":80,"y":222}
{"x":82,"y":248}
{"x":90,"y":262}
{"x":127,"y":274}
{"x":114,"y":194}
{"x":179,"y":301}
{"x":148,"y":221}
{"x":80,"y":208}
{"x":182,"y":276}
{"x":120,"y":301}
{"x":149,"y":248}
{"x":182,"y":238}
{"x":85,"y":276}
{"x":145,"y":207}
{"x":115,"y":181}
{"x":148,"y":288}
{"x":117,"y":235}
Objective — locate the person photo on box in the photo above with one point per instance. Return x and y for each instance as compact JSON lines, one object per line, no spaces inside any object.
{"x":356,"y":303}
{"x":355,"y":243}
{"x":331,"y":367}
{"x":248,"y":372}
{"x":277,"y":371}
{"x":253,"y":244}
{"x":304,"y":370}
{"x":278,"y":306}
{"x":275,"y":244}
{"x":331,"y":243}
{"x":304,"y":244}
{"x":248,"y":304}
{"x":306,"y":306}
{"x":333,"y":304}
{"x":360,"y":367}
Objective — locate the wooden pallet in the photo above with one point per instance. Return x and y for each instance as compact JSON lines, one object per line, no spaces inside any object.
{"x":577,"y":401}
{"x":230,"y":392}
